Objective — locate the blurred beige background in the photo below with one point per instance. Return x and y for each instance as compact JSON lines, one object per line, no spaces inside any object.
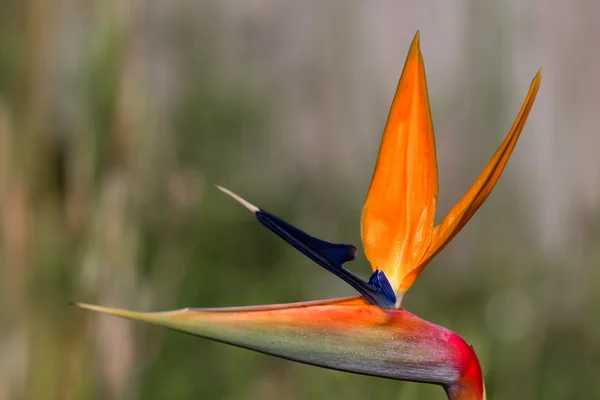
{"x":116,"y":117}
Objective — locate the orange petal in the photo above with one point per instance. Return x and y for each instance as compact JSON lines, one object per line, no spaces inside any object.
{"x":474,"y":198}
{"x":399,"y":211}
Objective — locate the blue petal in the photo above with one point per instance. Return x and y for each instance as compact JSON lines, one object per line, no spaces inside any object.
{"x":331,"y":256}
{"x":380,"y":281}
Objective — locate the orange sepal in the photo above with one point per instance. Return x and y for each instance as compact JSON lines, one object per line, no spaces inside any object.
{"x":399,"y":212}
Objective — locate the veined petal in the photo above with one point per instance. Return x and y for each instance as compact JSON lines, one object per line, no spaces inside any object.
{"x":343,"y":334}
{"x":399,"y":211}
{"x":474,"y":198}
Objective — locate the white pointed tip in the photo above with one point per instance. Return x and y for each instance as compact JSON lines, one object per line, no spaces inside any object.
{"x":240,"y":200}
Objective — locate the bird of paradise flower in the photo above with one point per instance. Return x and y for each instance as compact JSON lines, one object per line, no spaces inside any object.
{"x":371,"y":334}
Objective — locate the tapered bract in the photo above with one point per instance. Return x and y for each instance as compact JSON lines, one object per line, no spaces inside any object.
{"x":346,"y":334}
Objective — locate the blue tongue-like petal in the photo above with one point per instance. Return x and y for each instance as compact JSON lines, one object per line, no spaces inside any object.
{"x":330,"y":256}
{"x":379,"y":280}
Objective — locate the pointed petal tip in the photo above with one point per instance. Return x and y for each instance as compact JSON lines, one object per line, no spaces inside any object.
{"x":239,"y":199}
{"x":113,"y":311}
{"x":79,"y":305}
{"x":535,"y":84}
{"x":93,"y":307}
{"x":538,"y":77}
{"x":415,"y":46}
{"x":417,"y":38}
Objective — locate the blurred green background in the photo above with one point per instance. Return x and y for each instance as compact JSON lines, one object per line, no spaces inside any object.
{"x":117,"y":117}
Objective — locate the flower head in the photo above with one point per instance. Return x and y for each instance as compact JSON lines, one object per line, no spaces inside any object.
{"x":366,"y":335}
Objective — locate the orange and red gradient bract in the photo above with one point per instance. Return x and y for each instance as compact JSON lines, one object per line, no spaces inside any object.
{"x":363,"y":334}
{"x":344,"y":334}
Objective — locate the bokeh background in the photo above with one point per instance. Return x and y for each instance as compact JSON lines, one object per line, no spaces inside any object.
{"x":117,"y":117}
